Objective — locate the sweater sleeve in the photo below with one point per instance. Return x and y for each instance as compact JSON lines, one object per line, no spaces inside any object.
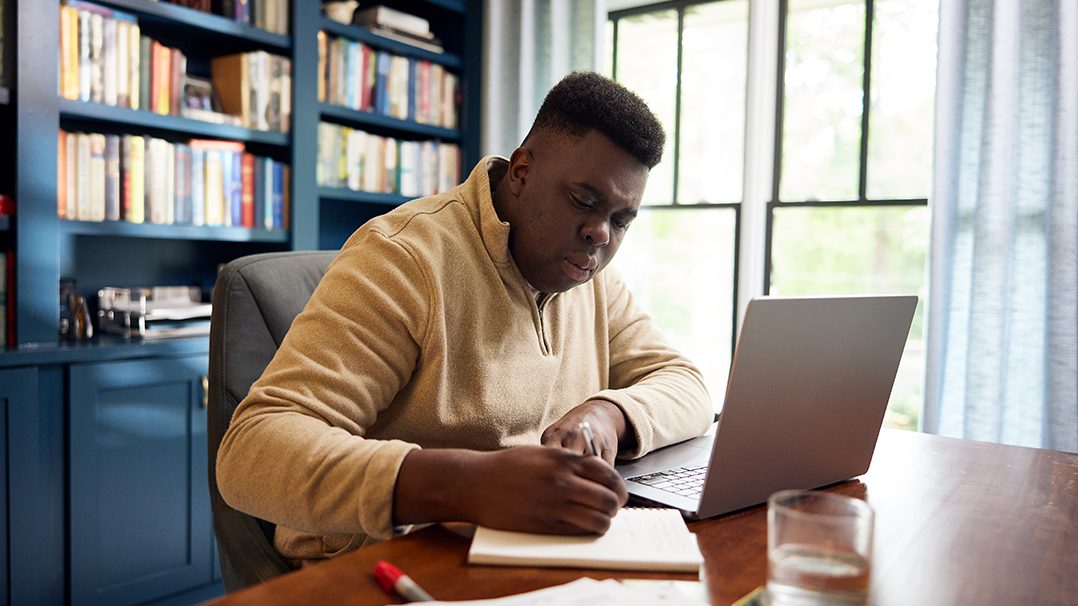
{"x":295,"y":452}
{"x":660,"y":391}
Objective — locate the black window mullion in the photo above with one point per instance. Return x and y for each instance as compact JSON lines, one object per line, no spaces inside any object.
{"x":866,"y":101}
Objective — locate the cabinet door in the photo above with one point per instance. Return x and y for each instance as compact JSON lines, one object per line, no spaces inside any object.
{"x":18,"y":395}
{"x":140,"y":515}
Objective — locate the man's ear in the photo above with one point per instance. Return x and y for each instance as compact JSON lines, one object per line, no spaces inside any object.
{"x":520,"y":165}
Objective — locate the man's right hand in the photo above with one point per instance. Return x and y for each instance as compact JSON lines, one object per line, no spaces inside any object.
{"x":525,"y":488}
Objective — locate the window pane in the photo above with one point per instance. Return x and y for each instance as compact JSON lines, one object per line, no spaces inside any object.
{"x":821,"y":135}
{"x":903,"y":91}
{"x":647,"y":64}
{"x":608,"y":36}
{"x":713,"y":80}
{"x":860,"y":250}
{"x":679,"y":264}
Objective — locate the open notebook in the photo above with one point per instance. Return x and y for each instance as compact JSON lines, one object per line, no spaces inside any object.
{"x":638,"y":539}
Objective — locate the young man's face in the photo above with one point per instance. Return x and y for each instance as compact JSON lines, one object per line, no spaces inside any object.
{"x":573,"y":200}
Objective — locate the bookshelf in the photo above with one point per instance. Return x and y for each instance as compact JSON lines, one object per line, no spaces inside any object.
{"x":85,"y":415}
{"x":46,"y":247}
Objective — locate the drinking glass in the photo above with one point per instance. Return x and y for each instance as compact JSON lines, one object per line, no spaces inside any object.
{"x":819,"y":548}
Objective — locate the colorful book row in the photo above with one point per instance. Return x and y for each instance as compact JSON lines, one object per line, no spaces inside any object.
{"x":104,"y":58}
{"x":145,"y":179}
{"x":354,"y":159}
{"x":354,"y":75}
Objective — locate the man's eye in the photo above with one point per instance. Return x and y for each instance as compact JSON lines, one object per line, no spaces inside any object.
{"x":620,"y":224}
{"x":583,"y":203}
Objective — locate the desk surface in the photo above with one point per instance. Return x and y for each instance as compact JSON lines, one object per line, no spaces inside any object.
{"x":956,"y":522}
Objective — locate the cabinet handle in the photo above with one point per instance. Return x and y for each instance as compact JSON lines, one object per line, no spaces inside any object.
{"x":205,"y":391}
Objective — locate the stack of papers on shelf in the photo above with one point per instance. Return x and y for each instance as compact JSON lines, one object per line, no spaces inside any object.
{"x":638,"y":539}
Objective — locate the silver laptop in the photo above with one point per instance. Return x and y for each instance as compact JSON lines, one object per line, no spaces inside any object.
{"x":809,"y":384}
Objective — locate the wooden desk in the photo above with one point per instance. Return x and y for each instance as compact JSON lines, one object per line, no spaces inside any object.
{"x":957,"y":522}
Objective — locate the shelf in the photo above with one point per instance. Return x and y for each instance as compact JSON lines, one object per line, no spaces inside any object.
{"x":360,"y":34}
{"x":456,"y":6}
{"x":172,"y":232}
{"x":97,"y":112}
{"x":351,"y":195}
{"x":174,"y":14}
{"x":353,"y":117}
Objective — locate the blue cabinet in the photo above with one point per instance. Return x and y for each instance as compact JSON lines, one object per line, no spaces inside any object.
{"x":140,"y":525}
{"x":18,"y":396}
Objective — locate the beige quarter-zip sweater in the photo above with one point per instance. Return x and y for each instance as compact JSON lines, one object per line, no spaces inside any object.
{"x":423,"y":333}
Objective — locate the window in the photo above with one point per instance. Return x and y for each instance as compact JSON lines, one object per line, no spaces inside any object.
{"x":849,"y":168}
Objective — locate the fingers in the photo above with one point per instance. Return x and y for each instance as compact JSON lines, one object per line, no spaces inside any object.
{"x":568,"y":435}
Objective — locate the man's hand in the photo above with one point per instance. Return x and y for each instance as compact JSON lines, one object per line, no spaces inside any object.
{"x":608,"y":425}
{"x":526,"y":488}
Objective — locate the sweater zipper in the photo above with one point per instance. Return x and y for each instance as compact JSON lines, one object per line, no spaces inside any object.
{"x":541,"y":304}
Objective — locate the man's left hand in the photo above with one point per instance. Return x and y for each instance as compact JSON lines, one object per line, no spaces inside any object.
{"x":608,"y":426}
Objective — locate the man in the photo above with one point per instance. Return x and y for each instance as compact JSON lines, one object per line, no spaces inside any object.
{"x":445,"y":361}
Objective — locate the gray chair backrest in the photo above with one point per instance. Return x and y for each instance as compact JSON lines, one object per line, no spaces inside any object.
{"x":254,"y":302}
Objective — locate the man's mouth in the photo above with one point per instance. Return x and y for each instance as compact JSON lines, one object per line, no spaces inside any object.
{"x":579,"y":269}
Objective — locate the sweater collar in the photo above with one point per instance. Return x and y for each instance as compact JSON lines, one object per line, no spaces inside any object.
{"x":493,"y":230}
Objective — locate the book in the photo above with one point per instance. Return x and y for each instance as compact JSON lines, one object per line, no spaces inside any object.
{"x":638,"y":539}
{"x":387,"y":17}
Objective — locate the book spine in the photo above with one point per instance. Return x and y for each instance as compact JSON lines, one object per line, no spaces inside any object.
{"x":134,"y":66}
{"x":85,"y":71}
{"x":214,"y":188}
{"x":267,"y":217}
{"x":183,"y":184}
{"x":135,"y":201}
{"x":97,"y":52}
{"x":97,"y":177}
{"x":169,"y":166}
{"x":61,"y":174}
{"x":123,"y":96}
{"x":247,"y":190}
{"x":178,"y":64}
{"x":235,"y":188}
{"x":108,"y":61}
{"x":278,"y":196}
{"x":198,"y":186}
{"x":258,"y":184}
{"x":72,"y":143}
{"x":323,"y":44}
{"x":145,"y":73}
{"x":112,"y":178}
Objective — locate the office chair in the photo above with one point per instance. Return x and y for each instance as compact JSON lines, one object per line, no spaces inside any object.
{"x":254,"y":302}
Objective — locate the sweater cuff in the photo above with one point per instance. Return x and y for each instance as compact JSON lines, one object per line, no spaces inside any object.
{"x":636,"y":420}
{"x":375,"y":504}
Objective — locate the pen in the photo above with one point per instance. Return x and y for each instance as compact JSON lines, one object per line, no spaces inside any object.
{"x":589,"y":438}
{"x":392,"y":579}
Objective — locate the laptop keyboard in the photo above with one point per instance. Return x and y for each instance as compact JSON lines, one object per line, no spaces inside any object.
{"x":684,"y":481}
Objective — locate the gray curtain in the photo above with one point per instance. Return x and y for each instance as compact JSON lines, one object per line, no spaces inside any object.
{"x":1003,"y":297}
{"x":528,"y":45}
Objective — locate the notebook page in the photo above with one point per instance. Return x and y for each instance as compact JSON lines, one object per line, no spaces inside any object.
{"x":638,"y":539}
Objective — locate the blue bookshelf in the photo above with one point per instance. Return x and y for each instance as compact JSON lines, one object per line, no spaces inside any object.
{"x":86,"y":112}
{"x":172,"y":232}
{"x":383,"y":123}
{"x":363,"y":197}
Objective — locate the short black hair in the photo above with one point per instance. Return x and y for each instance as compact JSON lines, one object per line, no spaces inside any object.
{"x":585,"y":101}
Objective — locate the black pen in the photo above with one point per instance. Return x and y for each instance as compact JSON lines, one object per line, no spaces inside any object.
{"x":589,"y":438}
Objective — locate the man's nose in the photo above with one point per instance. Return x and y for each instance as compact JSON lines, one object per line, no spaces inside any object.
{"x":596,"y":233}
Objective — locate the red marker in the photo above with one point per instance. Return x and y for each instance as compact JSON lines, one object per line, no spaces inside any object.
{"x":392,"y":579}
